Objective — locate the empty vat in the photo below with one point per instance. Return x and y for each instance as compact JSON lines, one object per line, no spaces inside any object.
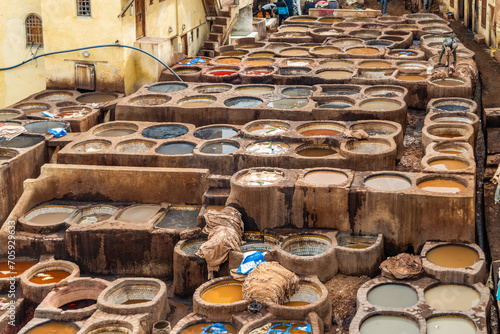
{"x":134,"y":146}
{"x":96,"y":97}
{"x":148,"y":100}
{"x":94,"y":145}
{"x":54,"y":96}
{"x":250,"y":90}
{"x":7,"y":154}
{"x":115,"y":129}
{"x":212,"y":89}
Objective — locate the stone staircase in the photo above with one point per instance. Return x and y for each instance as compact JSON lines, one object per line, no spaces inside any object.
{"x":220,"y":30}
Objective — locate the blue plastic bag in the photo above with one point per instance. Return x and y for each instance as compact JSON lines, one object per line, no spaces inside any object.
{"x":275,"y":330}
{"x":250,"y":261}
{"x":48,"y":114}
{"x":216,"y":328}
{"x":58,"y":132}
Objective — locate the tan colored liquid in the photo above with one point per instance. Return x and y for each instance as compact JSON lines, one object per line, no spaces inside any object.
{"x":320,"y":132}
{"x":411,"y":77}
{"x":49,"y":277}
{"x":260,"y":178}
{"x":295,"y":304}
{"x":448,"y":83}
{"x":228,"y":61}
{"x":449,"y":135}
{"x":254,"y":91}
{"x":325,"y":177}
{"x":196,"y":103}
{"x":448,"y":164}
{"x":334,"y":74}
{"x":385,"y":324}
{"x":388,"y":183}
{"x":115,"y":132}
{"x":55,"y":328}
{"x":139,"y":214}
{"x":375,"y":64}
{"x":301,"y":62}
{"x":450,"y":324}
{"x":135,"y":301}
{"x":257,"y":62}
{"x":224,"y":293}
{"x":198,"y":328}
{"x":335,"y":64}
{"x":215,"y":207}
{"x":380,"y":105}
{"x":294,"y":52}
{"x":362,"y":51}
{"x":441,"y":186}
{"x":20,"y":267}
{"x":316,"y":152}
{"x":327,"y":51}
{"x":357,"y":246}
{"x":450,"y":297}
{"x":292,"y":28}
{"x":49,"y":218}
{"x":262,"y":54}
{"x":453,"y":256}
{"x":232,"y":53}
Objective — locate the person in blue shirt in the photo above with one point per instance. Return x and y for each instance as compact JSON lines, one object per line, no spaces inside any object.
{"x":282,"y":11}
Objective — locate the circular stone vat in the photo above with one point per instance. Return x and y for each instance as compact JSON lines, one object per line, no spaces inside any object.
{"x":389,"y":324}
{"x":54,"y":327}
{"x":7,"y":154}
{"x":277,"y":46}
{"x":325,"y":177}
{"x":375,"y":128}
{"x":306,"y":244}
{"x":170,"y":87}
{"x":134,"y":146}
{"x":261,"y":54}
{"x":96,"y":97}
{"x":223,"y":293}
{"x":72,"y":112}
{"x":222,"y":72}
{"x":345,"y":42}
{"x":334,"y":74}
{"x":411,"y":77}
{"x":448,"y":82}
{"x":325,"y":50}
{"x":254,"y":90}
{"x":138,"y":214}
{"x":374,"y":64}
{"x":389,"y":91}
{"x":66,"y":104}
{"x":6,"y":114}
{"x":92,"y":146}
{"x":234,"y":53}
{"x":454,"y":104}
{"x":302,"y":19}
{"x":260,"y":177}
{"x":441,"y":185}
{"x":106,"y":327}
{"x":94,"y":214}
{"x":48,"y":215}
{"x":186,"y":70}
{"x":293,"y":28}
{"x":450,"y":324}
{"x":451,"y":297}
{"x":258,"y":243}
{"x":363,"y":51}
{"x":220,"y":148}
{"x":148,"y":100}
{"x":293,"y":71}
{"x":335,"y":64}
{"x":451,"y":148}
{"x":341,"y":90}
{"x":54,"y":96}
{"x":380,"y":105}
{"x":22,"y":141}
{"x":437,"y":29}
{"x":403,"y":53}
{"x":31,"y":108}
{"x":267,"y":148}
{"x":453,"y":256}
{"x":288,"y":103}
{"x":259,"y":62}
{"x":316,"y":151}
{"x":200,"y":327}
{"x":20,"y":267}
{"x":190,"y":247}
{"x":44,"y":126}
{"x":177,"y":148}
{"x":336,"y":104}
{"x":196,"y":101}
{"x":412,"y":65}
{"x":351,"y":241}
{"x":115,"y":129}
{"x":319,"y":129}
{"x":367,"y":146}
{"x":381,"y":43}
{"x":451,"y":131}
{"x":131,"y":292}
{"x":267,"y":128}
{"x":242,"y":102}
{"x":228,"y":60}
{"x":298,"y":62}
{"x":215,"y":132}
{"x":294,"y":52}
{"x":212,"y":89}
{"x":202,"y":60}
{"x":458,"y":117}
{"x":448,"y":163}
{"x":387,"y":182}
{"x":297,"y":91}
{"x":49,"y":276}
{"x":281,"y":327}
{"x":393,"y":296}
{"x":305,"y":295}
{"x":165,"y":131}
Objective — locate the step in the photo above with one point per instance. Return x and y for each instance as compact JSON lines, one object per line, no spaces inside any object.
{"x":210,"y":45}
{"x":218,"y":28}
{"x":206,"y":53}
{"x":223,"y":21}
{"x":215,"y":37}
{"x":225,"y":13}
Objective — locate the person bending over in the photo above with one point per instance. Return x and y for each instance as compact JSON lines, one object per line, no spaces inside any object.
{"x":451,"y":45}
{"x":267,"y":8}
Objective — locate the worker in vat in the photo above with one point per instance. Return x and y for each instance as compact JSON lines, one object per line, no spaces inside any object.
{"x":282,"y":11}
{"x":450,"y":44}
{"x":267,"y":8}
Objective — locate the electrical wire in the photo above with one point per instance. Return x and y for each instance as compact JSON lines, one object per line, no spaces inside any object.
{"x":88,"y":48}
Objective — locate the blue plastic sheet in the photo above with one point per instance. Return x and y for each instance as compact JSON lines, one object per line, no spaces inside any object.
{"x":290,"y":328}
{"x":58,"y":132}
{"x":216,"y":328}
{"x":194,"y":61}
{"x":250,"y":261}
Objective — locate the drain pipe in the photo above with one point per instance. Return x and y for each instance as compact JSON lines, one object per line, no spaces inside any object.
{"x":93,"y":47}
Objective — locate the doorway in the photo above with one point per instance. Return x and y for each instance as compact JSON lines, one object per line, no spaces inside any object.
{"x":140,"y":19}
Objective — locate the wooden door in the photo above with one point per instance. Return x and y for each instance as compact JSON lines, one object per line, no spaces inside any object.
{"x":84,"y":76}
{"x":185,"y":46}
{"x":461,"y":9}
{"x":140,"y":19}
{"x":483,"y":13}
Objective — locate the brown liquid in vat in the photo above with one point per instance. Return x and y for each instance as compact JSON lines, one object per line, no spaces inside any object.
{"x":448,"y":164}
{"x":295,"y":304}
{"x":49,"y":277}
{"x":55,"y":328}
{"x":325,"y":177}
{"x":320,"y":132}
{"x":334,"y":74}
{"x":49,"y":218}
{"x":316,"y":152}
{"x":453,"y":256}
{"x":225,"y":293}
{"x":20,"y":268}
{"x":362,"y":51}
{"x":376,"y":64}
{"x":411,"y":77}
{"x":441,"y":186}
{"x":258,"y":62}
{"x":228,"y":61}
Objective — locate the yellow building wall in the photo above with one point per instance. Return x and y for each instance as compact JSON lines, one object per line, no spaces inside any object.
{"x":18,"y":83}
